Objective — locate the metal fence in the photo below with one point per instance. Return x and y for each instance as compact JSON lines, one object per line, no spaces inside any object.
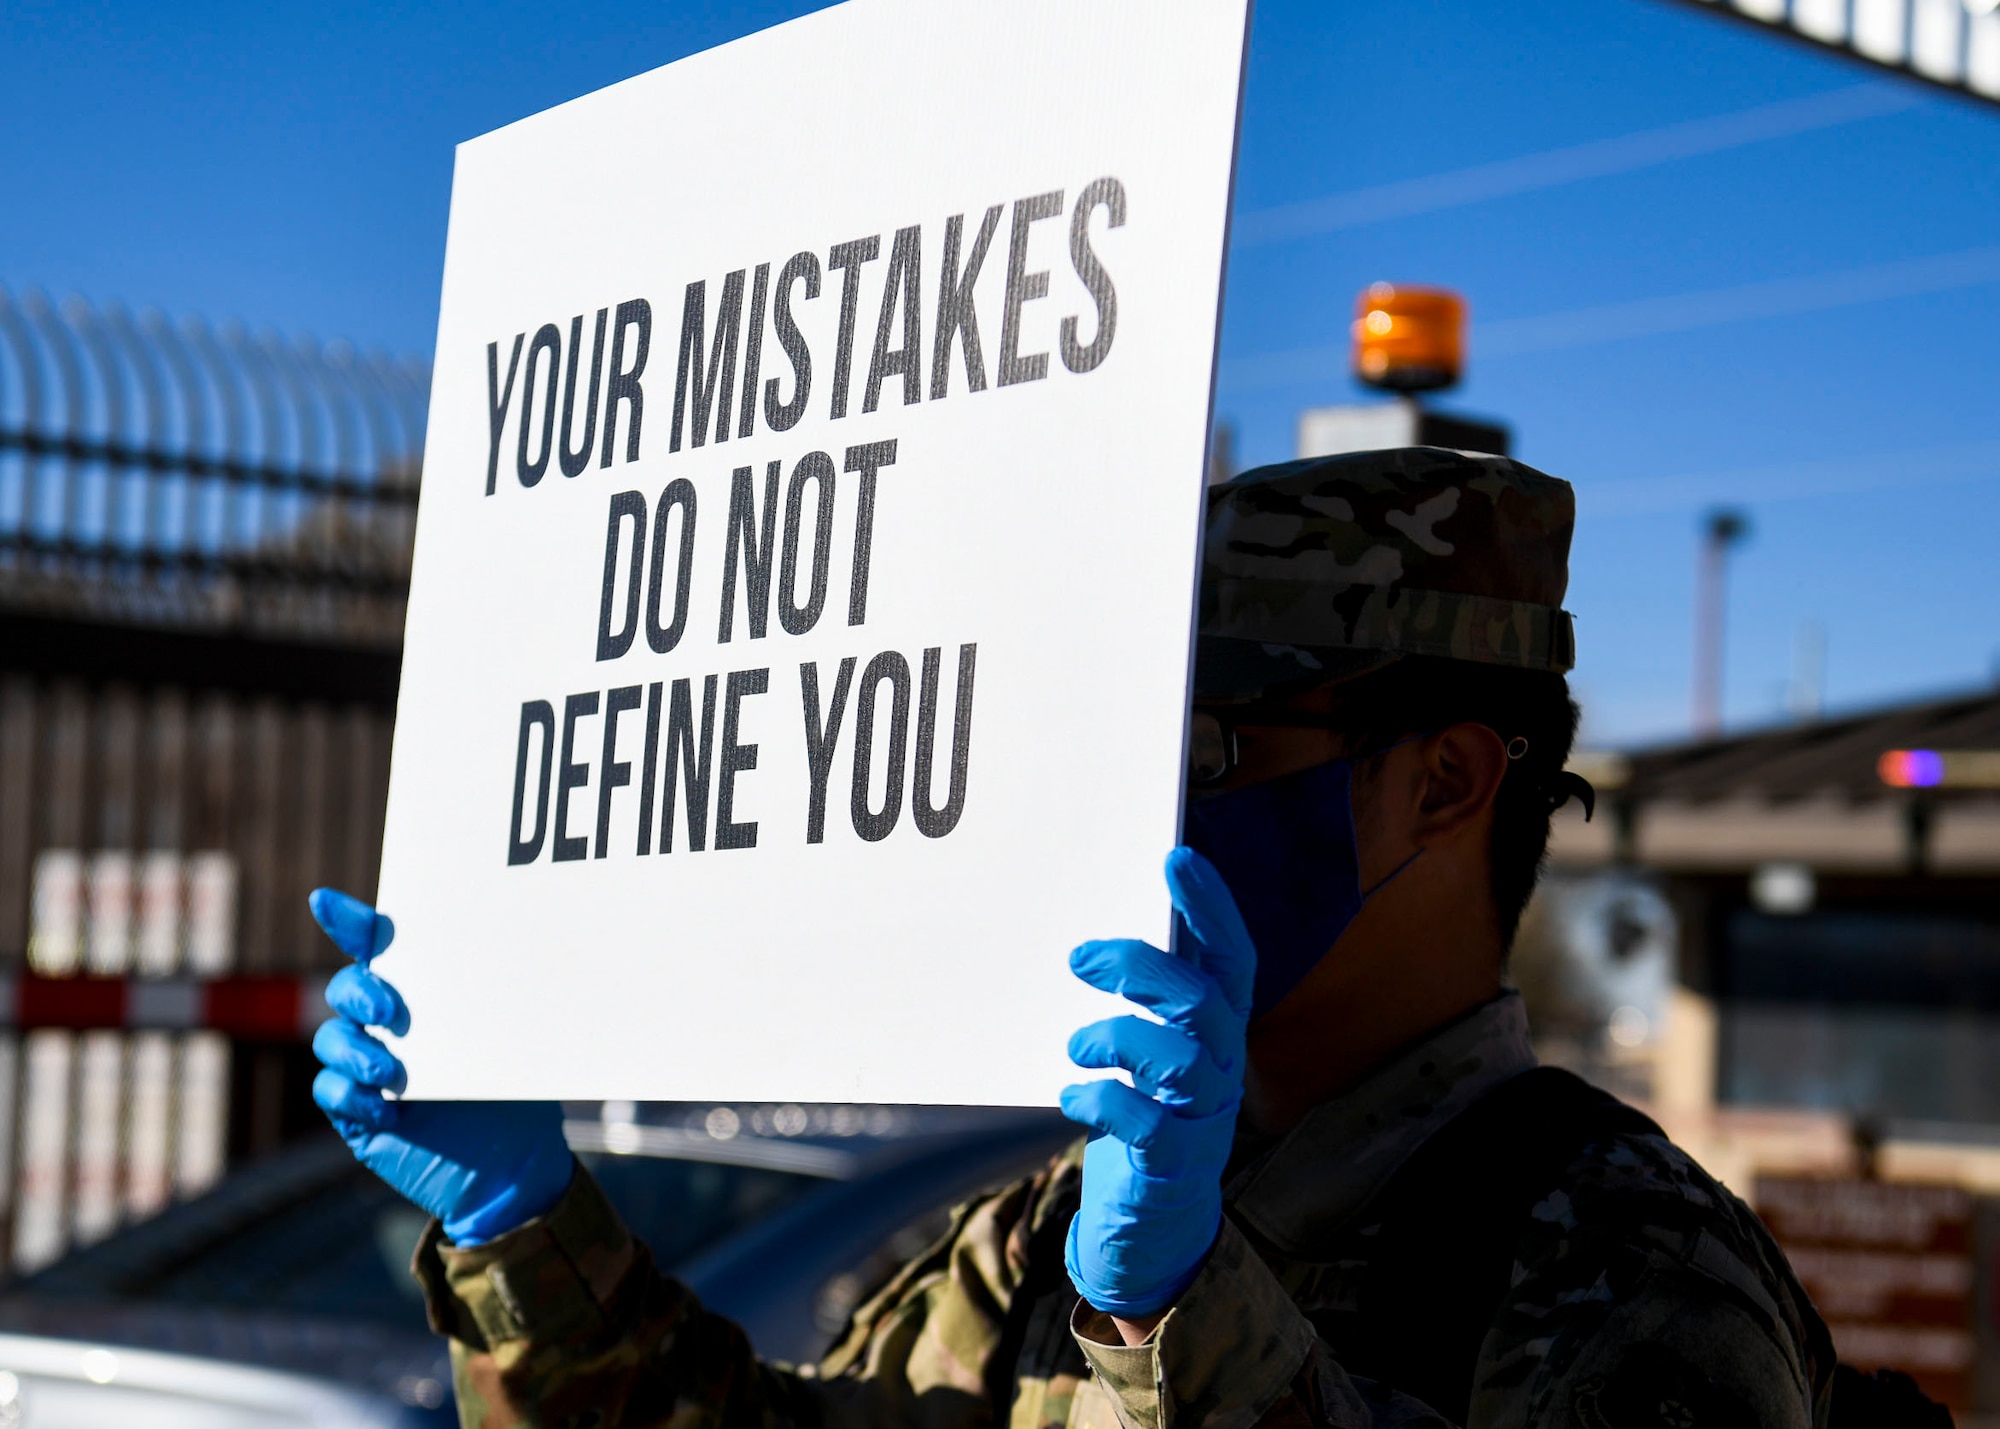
{"x":1952,"y":44}
{"x":203,"y":477}
{"x":204,"y":560}
{"x":158,"y":969}
{"x":290,"y":792}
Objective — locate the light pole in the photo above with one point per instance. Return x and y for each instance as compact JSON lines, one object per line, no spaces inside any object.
{"x":1721,"y":530}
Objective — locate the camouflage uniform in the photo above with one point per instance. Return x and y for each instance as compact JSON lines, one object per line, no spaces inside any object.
{"x":1642,"y":1292}
{"x":1632,"y":1272}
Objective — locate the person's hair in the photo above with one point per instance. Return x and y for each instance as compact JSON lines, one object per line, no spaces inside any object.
{"x":1420,"y":695}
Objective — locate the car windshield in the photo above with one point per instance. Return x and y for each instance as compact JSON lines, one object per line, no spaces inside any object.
{"x":344,"y":1250}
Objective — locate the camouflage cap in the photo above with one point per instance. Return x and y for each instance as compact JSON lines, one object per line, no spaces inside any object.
{"x":1325,"y":568}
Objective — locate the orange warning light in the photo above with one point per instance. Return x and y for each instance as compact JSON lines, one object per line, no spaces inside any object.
{"x":1408,"y":339}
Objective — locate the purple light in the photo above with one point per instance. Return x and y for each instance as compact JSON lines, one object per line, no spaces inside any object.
{"x":1911,"y":768}
{"x":1926,"y":767}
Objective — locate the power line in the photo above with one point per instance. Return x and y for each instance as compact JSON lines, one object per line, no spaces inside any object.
{"x":1552,"y":168}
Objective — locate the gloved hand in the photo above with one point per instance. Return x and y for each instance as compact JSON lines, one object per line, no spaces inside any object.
{"x":483,"y":1168}
{"x":1152,"y":1182}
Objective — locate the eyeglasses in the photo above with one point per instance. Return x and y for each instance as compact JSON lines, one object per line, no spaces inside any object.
{"x":1212,"y":752}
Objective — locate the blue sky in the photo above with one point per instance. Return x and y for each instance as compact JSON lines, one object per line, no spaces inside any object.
{"x":1703,"y":265}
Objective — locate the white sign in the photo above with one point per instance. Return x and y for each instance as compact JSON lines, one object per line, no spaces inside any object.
{"x":799,"y":628}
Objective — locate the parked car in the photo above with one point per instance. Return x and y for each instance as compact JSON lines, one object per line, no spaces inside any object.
{"x":283,"y":1297}
{"x":70,"y":1384}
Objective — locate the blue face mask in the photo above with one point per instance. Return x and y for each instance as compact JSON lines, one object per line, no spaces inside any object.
{"x":1286,"y":847}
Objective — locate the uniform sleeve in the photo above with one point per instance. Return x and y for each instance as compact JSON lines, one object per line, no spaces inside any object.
{"x":1646,"y":1293}
{"x":1681,"y":1353}
{"x":1235,"y":1352}
{"x":566,"y":1321}
{"x":1645,"y":1296}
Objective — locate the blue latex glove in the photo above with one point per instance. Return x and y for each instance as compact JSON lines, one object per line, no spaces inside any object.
{"x":1152,"y":1182}
{"x":483,"y":1168}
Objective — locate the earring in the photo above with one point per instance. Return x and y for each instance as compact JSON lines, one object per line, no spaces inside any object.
{"x":1517,"y":747}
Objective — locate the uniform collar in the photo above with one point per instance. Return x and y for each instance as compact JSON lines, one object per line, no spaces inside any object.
{"x":1326,"y":1167}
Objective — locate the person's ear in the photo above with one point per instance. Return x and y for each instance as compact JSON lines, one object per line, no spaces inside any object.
{"x":1463,"y":766}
